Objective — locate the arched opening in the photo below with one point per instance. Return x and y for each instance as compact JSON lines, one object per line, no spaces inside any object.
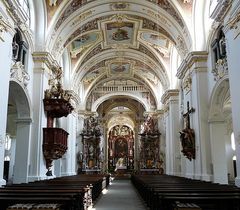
{"x":222,"y":146}
{"x":18,"y":135}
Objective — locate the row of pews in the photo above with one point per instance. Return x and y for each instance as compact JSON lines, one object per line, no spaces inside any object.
{"x":69,"y":193}
{"x":165,"y":192}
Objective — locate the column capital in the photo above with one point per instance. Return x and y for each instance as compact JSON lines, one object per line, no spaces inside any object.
{"x":42,"y":59}
{"x":23,"y":120}
{"x":168,"y":95}
{"x":85,"y":114}
{"x":196,"y":60}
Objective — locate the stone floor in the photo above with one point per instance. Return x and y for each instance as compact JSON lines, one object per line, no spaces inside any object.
{"x":120,"y":195}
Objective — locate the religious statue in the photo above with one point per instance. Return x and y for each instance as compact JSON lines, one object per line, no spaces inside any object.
{"x":148,"y":126}
{"x":91,"y":127}
{"x":187,"y":136}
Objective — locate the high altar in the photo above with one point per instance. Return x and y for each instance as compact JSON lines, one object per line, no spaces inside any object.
{"x":121,"y":151}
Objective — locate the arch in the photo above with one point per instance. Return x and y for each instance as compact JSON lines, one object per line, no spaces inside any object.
{"x":40,"y":25}
{"x":220,"y":134}
{"x":19,"y":95}
{"x":22,"y":118}
{"x":219,"y":94}
{"x":97,"y":103}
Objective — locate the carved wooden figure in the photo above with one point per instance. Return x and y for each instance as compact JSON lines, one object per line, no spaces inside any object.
{"x":187,"y":136}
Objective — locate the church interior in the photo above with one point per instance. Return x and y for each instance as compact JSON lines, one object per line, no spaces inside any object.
{"x":141,"y":90}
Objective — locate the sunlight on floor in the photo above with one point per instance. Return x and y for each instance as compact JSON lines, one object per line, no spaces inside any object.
{"x":104,"y":191}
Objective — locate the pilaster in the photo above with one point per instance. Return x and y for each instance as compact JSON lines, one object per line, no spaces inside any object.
{"x":44,"y":66}
{"x":232,"y":32}
{"x":21,"y":167}
{"x":193,"y":75}
{"x":6,"y":36}
{"x":217,"y":133}
{"x":170,"y":99}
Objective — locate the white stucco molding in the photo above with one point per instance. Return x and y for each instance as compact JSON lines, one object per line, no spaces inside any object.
{"x":220,"y":10}
{"x":19,"y":17}
{"x":44,"y":59}
{"x":233,"y":22}
{"x":171,"y":93}
{"x":194,"y":60}
{"x":5,"y":26}
{"x":24,"y":120}
{"x":99,"y":101}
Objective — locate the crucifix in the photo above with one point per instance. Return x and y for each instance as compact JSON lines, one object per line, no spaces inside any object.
{"x":186,"y":116}
{"x":187,"y":136}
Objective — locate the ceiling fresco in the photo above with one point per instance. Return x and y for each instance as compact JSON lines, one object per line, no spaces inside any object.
{"x":82,"y":43}
{"x":120,"y":67}
{"x":114,"y":44}
{"x":120,"y":31}
{"x":77,"y":4}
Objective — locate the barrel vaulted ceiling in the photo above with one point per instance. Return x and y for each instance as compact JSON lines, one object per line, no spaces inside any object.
{"x":119,"y":44}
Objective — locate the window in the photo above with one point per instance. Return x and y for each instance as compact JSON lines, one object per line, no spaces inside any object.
{"x":233,"y":142}
{"x":7,"y":142}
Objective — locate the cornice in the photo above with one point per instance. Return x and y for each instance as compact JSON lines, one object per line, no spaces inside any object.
{"x":85,"y":113}
{"x":45,"y":58}
{"x":190,"y":60}
{"x":15,"y":11}
{"x":75,"y":98}
{"x":220,"y":10}
{"x":5,"y":26}
{"x":233,"y":21}
{"x":168,"y":94}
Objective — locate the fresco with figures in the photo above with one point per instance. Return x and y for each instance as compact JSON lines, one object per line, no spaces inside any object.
{"x":155,"y":39}
{"x":119,"y":32}
{"x":82,"y":42}
{"x":119,"y":67}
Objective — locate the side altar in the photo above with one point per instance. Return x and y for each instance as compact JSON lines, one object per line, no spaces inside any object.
{"x":150,"y":162}
{"x":90,"y":159}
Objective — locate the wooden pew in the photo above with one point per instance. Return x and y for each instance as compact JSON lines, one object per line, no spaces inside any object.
{"x":72,"y":192}
{"x":162,"y":191}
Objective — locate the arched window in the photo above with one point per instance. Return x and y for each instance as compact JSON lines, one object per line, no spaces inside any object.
{"x":7,"y":142}
{"x":233,"y":142}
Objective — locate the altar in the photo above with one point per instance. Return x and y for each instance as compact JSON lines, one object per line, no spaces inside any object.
{"x":121,"y":149}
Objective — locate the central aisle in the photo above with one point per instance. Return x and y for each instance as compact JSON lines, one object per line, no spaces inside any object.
{"x":121,"y":195}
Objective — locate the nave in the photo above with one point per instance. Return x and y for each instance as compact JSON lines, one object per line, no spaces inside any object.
{"x":120,"y":195}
